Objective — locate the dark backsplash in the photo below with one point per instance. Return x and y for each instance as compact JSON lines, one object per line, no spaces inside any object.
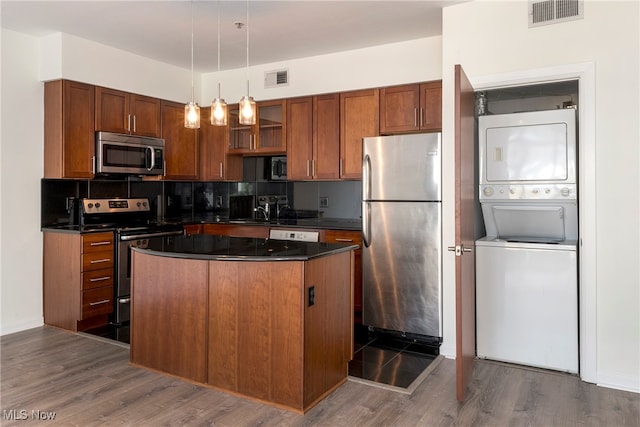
{"x":199,"y":201}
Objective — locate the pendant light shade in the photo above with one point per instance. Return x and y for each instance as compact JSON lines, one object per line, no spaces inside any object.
{"x":218,"y":105}
{"x":191,"y":110}
{"x":247,"y":113}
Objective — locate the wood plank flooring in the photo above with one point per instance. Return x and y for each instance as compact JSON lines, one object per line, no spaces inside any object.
{"x":87,"y":382}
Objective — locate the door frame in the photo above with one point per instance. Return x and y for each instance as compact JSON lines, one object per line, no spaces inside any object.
{"x":587,"y":268}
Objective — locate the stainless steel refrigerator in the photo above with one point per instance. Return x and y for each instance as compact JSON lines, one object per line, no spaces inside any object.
{"x":402,"y":233}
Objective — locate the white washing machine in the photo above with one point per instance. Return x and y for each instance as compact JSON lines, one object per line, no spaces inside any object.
{"x":527,"y":266}
{"x":527,"y":303}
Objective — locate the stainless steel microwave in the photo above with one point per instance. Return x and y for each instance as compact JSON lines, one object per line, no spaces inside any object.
{"x":129,"y":154}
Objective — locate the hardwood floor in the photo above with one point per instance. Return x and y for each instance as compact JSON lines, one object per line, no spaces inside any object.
{"x":87,"y":382}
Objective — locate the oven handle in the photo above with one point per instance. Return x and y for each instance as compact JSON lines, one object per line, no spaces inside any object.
{"x":149,"y":235}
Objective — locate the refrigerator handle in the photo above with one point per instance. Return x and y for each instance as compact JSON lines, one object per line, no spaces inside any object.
{"x":366,"y":177}
{"x":366,"y":217}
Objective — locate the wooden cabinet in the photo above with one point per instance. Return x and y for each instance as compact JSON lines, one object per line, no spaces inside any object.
{"x":237,"y":230}
{"x":313,"y":137}
{"x":359,"y":118}
{"x":123,"y":112}
{"x":78,"y":275}
{"x":181,"y":144}
{"x":267,"y":136}
{"x":354,"y":237}
{"x":411,"y":108}
{"x":215,"y":163}
{"x":69,"y":138}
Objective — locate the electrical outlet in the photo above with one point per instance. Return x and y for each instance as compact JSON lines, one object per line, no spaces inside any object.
{"x":312,"y":295}
{"x":324,"y":202}
{"x":218,"y":201}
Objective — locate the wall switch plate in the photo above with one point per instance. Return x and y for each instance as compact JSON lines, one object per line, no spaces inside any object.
{"x":324,"y":202}
{"x":312,"y":295}
{"x":218,"y":201}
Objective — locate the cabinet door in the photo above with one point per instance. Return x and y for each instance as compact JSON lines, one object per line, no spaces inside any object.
{"x":215,"y":164}
{"x":399,"y":109}
{"x":145,"y":113}
{"x":351,"y":237}
{"x":267,"y":136}
{"x":326,"y":136}
{"x":359,"y":118}
{"x":181,"y":144}
{"x":299,"y":138}
{"x":431,"y":106}
{"x":112,"y":110}
{"x":272,"y":119}
{"x":69,"y":137}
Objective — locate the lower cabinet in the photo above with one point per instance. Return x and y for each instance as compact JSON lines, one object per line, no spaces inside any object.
{"x":354,"y":237}
{"x":249,"y":328}
{"x":78,"y":272}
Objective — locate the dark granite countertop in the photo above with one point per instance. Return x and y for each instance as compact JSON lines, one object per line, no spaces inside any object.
{"x":224,"y":248}
{"x":319,"y":223}
{"x":77,"y":229}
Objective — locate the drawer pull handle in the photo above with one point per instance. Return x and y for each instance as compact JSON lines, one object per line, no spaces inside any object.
{"x":99,"y":279}
{"x":339,"y":239}
{"x":97,"y":261}
{"x":104,"y":301}
{"x":100,"y":243}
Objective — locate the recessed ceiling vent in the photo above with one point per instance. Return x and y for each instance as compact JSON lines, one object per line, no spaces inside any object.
{"x":545,"y":12}
{"x":276,"y":78}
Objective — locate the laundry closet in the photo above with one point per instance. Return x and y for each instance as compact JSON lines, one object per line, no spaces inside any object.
{"x":527,"y":262}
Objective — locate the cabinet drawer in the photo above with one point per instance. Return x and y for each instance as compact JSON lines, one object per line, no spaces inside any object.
{"x":97,"y":242}
{"x":97,"y":260}
{"x":97,"y":301}
{"x":97,"y":278}
{"x":342,"y":236}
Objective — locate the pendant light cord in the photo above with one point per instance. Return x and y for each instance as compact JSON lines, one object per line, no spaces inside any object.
{"x":247,"y":47}
{"x":192,"y":88}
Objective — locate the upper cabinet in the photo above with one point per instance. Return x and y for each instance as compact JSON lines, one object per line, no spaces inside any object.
{"x":215,"y":163}
{"x":127,"y":113}
{"x":359,"y":118}
{"x":69,"y":138}
{"x":267,"y":136}
{"x":411,"y":108}
{"x":313,"y":137}
{"x":181,"y":144}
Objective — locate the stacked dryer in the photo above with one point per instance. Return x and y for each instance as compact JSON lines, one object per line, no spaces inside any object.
{"x":526,"y":266}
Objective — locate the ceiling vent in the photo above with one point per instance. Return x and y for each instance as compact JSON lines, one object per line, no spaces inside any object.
{"x":276,"y":78}
{"x":545,"y":12}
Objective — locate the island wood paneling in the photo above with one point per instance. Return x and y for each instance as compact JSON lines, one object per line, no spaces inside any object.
{"x":168,"y":324}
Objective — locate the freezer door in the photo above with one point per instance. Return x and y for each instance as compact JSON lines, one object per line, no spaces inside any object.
{"x":403,"y":167}
{"x":401,"y":262}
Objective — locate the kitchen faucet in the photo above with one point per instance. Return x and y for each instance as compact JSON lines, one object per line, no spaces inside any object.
{"x":264,"y":210}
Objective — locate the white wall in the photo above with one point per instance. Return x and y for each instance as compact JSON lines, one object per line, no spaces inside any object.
{"x":27,"y":62}
{"x":20,"y":172}
{"x":492,"y":37}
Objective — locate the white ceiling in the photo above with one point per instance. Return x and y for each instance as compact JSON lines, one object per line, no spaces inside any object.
{"x":278,"y":30}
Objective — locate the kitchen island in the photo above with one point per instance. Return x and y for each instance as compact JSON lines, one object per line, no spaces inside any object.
{"x":266,"y":319}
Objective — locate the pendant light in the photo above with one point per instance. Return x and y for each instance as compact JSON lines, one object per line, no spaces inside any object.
{"x":247,"y":108}
{"x":192,"y":110}
{"x":218,"y":105}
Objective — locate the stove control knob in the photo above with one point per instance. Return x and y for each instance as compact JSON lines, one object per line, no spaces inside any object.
{"x":97,"y":205}
{"x":89,"y":205}
{"x":488,"y":191}
{"x":139,"y":204}
{"x":144,"y":204}
{"x":565,"y":191}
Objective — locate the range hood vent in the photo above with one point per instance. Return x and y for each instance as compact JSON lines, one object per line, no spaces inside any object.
{"x":276,"y":78}
{"x":545,"y":12}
